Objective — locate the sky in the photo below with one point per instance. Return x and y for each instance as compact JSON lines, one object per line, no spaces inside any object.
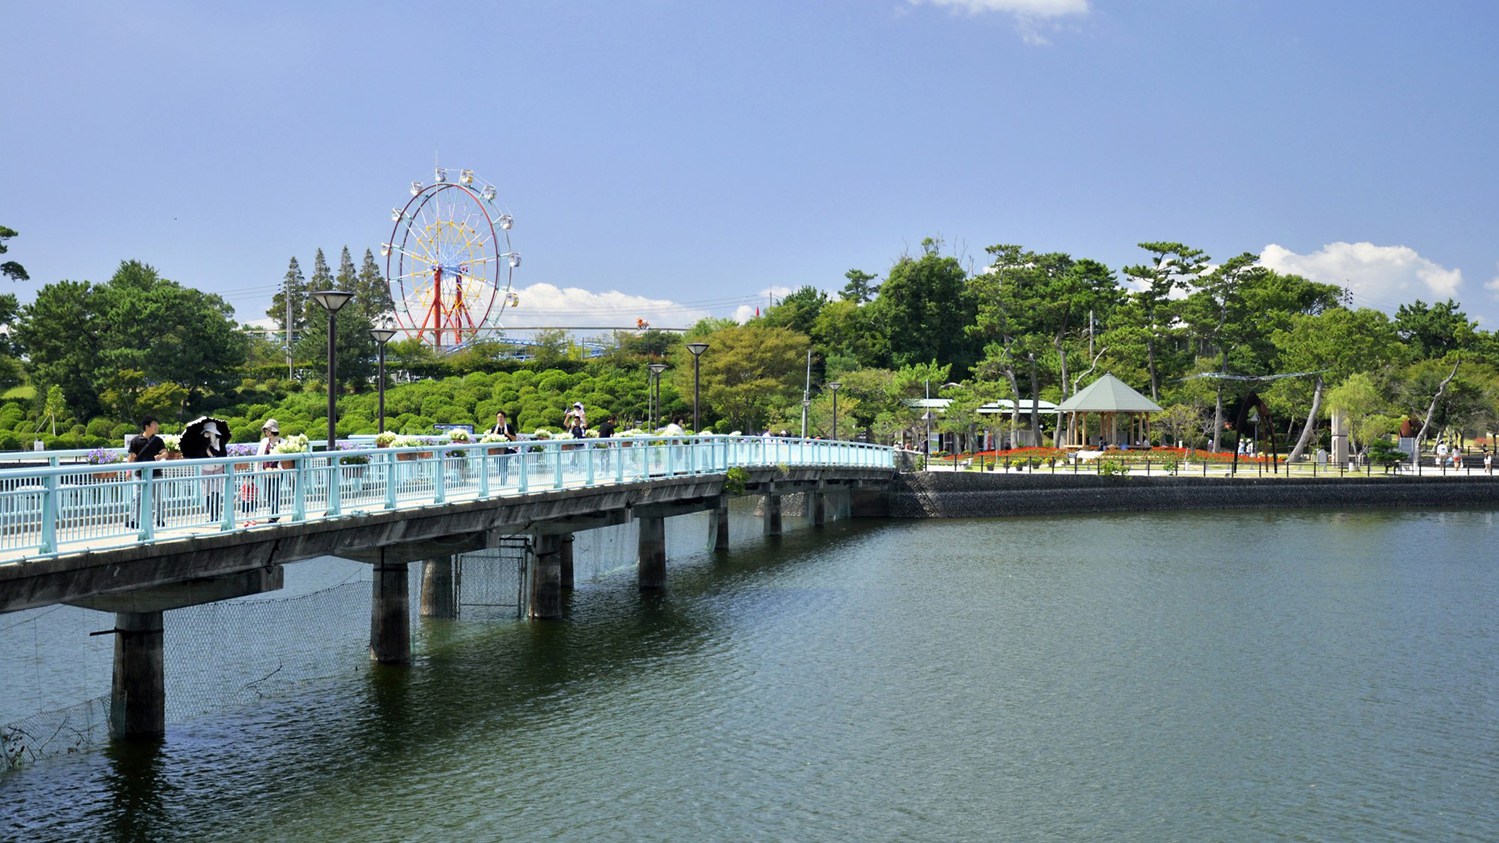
{"x":669,"y":160}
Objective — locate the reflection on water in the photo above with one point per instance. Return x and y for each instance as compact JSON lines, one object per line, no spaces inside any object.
{"x":1144,"y":677}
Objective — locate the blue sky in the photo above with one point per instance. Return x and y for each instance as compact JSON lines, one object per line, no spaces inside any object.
{"x":671,"y":160}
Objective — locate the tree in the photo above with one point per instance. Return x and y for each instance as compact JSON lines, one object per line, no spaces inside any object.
{"x":924,"y":307}
{"x":60,"y":334}
{"x":1179,"y":423}
{"x":797,"y":311}
{"x":1171,"y":265}
{"x":289,"y":306}
{"x":86,"y":339}
{"x":847,"y":338}
{"x":1001,"y":321}
{"x":356,"y":349}
{"x":1433,"y":331}
{"x":10,"y":269}
{"x":322,"y":279}
{"x":1329,"y":346}
{"x":751,"y":373}
{"x":1360,"y":400}
{"x":372,"y":292}
{"x":1216,"y":299}
{"x":858,"y":289}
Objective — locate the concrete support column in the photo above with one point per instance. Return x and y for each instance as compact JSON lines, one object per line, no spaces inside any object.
{"x":819,"y":504}
{"x":138,"y":697}
{"x":720,"y":524}
{"x":546,"y":578}
{"x":772,"y":524}
{"x":651,"y":561}
{"x":390,"y":613}
{"x":439,"y":597}
{"x":566,"y":559}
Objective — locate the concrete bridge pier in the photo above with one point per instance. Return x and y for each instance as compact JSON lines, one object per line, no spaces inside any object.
{"x":439,"y":596}
{"x":546,"y":578}
{"x":390,"y":607}
{"x":138,"y":700}
{"x":819,"y":504}
{"x":718,"y":522}
{"x":772,"y":523}
{"x":566,"y":559}
{"x":651,"y":561}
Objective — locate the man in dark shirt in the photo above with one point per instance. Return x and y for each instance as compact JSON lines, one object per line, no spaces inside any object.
{"x":146,"y":447}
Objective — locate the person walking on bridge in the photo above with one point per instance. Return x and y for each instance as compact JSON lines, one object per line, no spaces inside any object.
{"x":503,"y":427}
{"x":270,"y":437}
{"x":146,"y":446}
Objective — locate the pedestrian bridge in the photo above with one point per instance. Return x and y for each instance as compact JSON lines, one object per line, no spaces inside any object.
{"x":141,"y":539}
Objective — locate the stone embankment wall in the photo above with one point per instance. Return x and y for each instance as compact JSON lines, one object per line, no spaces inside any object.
{"x":986,"y":495}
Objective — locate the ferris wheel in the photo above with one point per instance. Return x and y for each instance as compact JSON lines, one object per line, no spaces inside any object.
{"x":449,"y":261}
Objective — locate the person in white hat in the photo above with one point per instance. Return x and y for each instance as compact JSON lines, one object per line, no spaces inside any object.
{"x":576,"y":420}
{"x":270,"y":437}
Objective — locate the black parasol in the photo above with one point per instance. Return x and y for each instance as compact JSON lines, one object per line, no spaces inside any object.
{"x":205,"y":436}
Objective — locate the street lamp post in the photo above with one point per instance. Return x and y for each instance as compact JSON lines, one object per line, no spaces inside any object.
{"x":332,"y":300}
{"x":381,"y":336}
{"x":655,"y":390}
{"x":833,"y":388}
{"x":697,"y":349}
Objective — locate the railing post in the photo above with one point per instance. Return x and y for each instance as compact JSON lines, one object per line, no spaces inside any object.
{"x":484,"y":460}
{"x":50,"y":507}
{"x":299,"y":490}
{"x":392,"y":479}
{"x":556,"y":446}
{"x":147,"y":512}
{"x":335,"y":479}
{"x":230,"y":499}
{"x":525,"y":458}
{"x":439,"y":475}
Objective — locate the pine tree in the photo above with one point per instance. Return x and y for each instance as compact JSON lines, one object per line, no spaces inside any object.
{"x":294,"y":290}
{"x":347,"y":279}
{"x":373,"y":294}
{"x":322,"y":279}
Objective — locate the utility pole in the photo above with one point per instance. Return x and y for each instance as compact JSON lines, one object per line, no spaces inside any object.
{"x":807,"y":394}
{"x":287,"y":294}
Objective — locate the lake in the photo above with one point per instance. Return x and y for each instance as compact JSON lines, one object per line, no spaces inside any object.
{"x":1304,"y":675}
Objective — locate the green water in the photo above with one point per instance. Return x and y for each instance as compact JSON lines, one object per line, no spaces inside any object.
{"x":1197,"y":676}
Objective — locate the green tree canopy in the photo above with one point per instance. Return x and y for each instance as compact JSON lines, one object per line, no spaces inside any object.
{"x":10,"y":269}
{"x":85,"y":339}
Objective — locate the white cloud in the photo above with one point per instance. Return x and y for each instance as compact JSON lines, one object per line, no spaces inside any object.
{"x":1382,"y":277}
{"x":1031,"y":16}
{"x":1492,"y":285}
{"x":1019,"y":8}
{"x":549,"y":306}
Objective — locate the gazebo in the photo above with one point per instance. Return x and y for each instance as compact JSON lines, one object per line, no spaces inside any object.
{"x":1110,"y":398}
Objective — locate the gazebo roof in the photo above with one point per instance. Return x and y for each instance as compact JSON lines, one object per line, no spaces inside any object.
{"x":1108,"y":394}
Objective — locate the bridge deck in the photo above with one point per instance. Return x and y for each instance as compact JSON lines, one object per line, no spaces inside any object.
{"x":66,"y":532}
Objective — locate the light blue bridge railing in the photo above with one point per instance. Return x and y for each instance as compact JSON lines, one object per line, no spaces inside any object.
{"x":66,"y":509}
